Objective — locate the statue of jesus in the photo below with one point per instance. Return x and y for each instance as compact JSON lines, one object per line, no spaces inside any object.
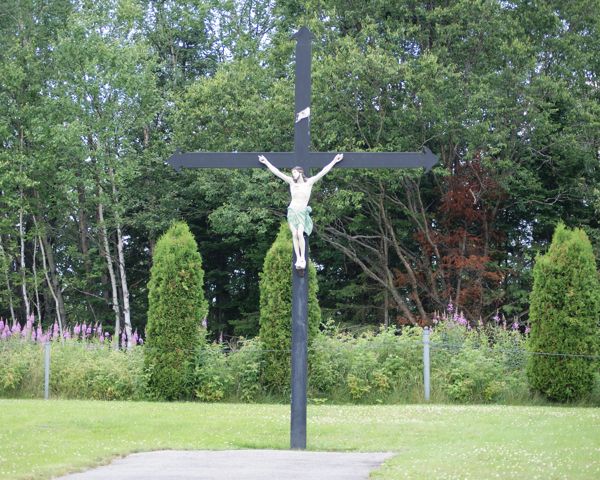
{"x":298,"y":214}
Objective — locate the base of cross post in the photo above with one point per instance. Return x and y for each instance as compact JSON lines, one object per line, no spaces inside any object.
{"x":299,"y":377}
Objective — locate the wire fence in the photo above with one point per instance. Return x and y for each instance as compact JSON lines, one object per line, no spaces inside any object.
{"x":450,"y":346}
{"x":417,"y":351}
{"x":433,"y":345}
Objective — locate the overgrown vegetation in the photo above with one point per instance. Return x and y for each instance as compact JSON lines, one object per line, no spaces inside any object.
{"x":78,"y":370}
{"x":486,"y":365}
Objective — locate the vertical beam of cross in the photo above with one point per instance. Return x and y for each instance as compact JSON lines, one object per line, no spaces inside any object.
{"x":299,"y":374}
{"x":302,"y":95}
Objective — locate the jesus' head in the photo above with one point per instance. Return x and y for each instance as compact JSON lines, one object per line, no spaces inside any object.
{"x":297,"y":173}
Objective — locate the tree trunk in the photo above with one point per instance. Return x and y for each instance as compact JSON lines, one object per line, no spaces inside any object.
{"x":83,"y":237}
{"x":386,"y":291}
{"x":463,"y":253}
{"x":391,"y":235}
{"x":111,"y":271}
{"x":49,"y":254}
{"x":23,"y":265}
{"x":121,"y":261}
{"x":124,"y":288}
{"x":151,"y":245}
{"x":7,"y":279}
{"x":35,"y":280}
{"x":52,"y":278}
{"x":384,"y":278}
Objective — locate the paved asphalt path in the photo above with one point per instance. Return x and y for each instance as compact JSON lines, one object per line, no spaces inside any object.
{"x":238,"y":465}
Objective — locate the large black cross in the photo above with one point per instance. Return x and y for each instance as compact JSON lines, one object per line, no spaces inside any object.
{"x":302,"y":156}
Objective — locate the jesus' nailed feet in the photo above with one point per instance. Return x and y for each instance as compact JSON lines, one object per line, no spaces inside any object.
{"x":300,"y":266}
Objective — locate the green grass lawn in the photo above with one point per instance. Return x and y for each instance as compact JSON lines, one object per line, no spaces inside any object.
{"x":39,"y":439}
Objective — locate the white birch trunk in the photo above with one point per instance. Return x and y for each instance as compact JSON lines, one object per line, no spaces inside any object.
{"x":121,"y":261}
{"x":124,"y":288}
{"x":111,"y":273}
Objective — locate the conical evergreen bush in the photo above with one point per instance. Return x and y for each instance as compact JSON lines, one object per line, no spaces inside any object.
{"x":176,"y":309}
{"x":276,"y":310}
{"x":565,"y":318}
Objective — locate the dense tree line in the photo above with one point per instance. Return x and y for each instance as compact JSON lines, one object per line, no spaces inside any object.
{"x":95,"y":96}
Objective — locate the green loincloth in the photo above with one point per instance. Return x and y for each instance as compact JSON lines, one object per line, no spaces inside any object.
{"x":300,"y":217}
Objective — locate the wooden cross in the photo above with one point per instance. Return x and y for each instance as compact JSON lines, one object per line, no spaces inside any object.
{"x":302,"y":156}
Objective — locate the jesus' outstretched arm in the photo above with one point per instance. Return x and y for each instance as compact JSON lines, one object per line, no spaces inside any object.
{"x":338,"y":158}
{"x":262,"y":159}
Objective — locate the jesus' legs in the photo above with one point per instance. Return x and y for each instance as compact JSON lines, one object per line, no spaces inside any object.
{"x":299,"y":247}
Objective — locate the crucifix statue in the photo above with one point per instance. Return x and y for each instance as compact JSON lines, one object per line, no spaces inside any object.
{"x":298,"y":214}
{"x":300,"y":161}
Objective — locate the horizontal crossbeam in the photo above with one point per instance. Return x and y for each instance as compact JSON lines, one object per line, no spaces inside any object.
{"x":425,"y":159}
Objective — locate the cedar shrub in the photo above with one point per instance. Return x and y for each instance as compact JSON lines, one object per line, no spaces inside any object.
{"x":564,"y":316}
{"x":176,"y":308}
{"x":276,"y":310}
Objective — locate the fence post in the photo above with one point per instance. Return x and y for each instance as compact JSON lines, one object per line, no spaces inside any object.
{"x":426,"y":365}
{"x":46,"y":370}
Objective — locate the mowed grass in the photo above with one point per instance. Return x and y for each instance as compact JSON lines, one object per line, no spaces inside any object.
{"x":41,"y":439}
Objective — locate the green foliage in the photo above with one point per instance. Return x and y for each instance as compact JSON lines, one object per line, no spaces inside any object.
{"x":565,"y":317}
{"x":97,"y":372}
{"x":474,"y":377}
{"x":246,"y":366}
{"x":176,"y":309}
{"x":82,"y":371}
{"x":21,"y":369}
{"x":486,"y":366}
{"x":212,"y":377}
{"x":370,"y":368}
{"x":232,"y":377}
{"x":276,"y":309}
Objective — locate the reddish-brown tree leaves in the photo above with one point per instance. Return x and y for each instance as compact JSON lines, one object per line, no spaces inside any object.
{"x":461,"y":243}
